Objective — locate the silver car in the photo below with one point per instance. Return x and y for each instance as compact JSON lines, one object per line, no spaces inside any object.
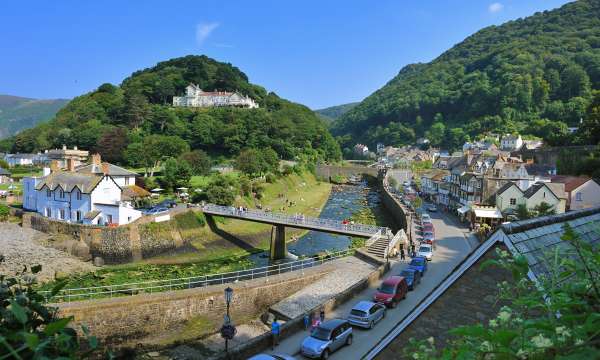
{"x":327,"y":338}
{"x":366,"y":314}
{"x":425,"y":251}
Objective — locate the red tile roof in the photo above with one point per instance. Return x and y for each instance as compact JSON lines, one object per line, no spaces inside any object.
{"x":571,"y":182}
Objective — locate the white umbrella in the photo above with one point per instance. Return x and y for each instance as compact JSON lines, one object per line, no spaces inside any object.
{"x":182,"y":188}
{"x":157,"y":190}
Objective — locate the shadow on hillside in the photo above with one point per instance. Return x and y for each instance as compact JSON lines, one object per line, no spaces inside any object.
{"x":229,"y":237}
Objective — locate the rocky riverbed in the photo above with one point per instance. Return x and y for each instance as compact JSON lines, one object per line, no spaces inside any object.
{"x":22,"y":247}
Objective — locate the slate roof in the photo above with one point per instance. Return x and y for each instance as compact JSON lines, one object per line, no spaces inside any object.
{"x":69,"y":180}
{"x":536,"y":239}
{"x":506,"y":186}
{"x":4,"y":172}
{"x":113,"y":170}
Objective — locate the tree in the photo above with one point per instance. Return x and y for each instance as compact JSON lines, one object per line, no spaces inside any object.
{"x":136,"y":108}
{"x":543,"y":209}
{"x":436,"y":133}
{"x":220,"y":194}
{"x":177,"y":174}
{"x":3,"y":164}
{"x":590,"y":129}
{"x":198,"y":161}
{"x":112,"y":144}
{"x":31,"y":330}
{"x":250,"y":162}
{"x":522,"y":212}
{"x":4,"y":212}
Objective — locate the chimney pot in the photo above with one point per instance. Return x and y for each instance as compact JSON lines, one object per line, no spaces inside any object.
{"x":64,"y":147}
{"x":71,"y":165}
{"x":105,"y":168}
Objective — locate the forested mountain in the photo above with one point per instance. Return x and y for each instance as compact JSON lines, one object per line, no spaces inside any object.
{"x":18,"y":113}
{"x":135,"y":124}
{"x":332,"y":113}
{"x":534,"y":76}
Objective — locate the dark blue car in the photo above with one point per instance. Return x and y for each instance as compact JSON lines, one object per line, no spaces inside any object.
{"x":418,"y":263}
{"x":412,"y":276}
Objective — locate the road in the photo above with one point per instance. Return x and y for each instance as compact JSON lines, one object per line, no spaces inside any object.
{"x":453,"y":245}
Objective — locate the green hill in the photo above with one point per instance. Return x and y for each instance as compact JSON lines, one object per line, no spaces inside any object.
{"x":332,"y":113}
{"x":19,"y":113}
{"x":534,"y":75}
{"x":125,"y":123}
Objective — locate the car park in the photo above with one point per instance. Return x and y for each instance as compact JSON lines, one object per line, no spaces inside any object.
{"x":426,"y":251}
{"x":272,"y":357}
{"x":391,"y":291}
{"x":366,"y":313}
{"x":419,"y":263}
{"x":327,"y":338}
{"x":412,"y":276}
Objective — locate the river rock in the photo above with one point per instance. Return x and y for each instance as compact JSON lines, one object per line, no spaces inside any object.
{"x":98,"y":261}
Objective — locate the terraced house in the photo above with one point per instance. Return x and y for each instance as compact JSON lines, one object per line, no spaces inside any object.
{"x":79,"y":196}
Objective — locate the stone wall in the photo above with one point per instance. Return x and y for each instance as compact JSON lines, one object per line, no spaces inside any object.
{"x":551,"y":155}
{"x":124,"y":243}
{"x":123,"y":319}
{"x":394,"y":207}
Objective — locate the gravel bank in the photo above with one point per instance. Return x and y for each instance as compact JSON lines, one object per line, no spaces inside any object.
{"x":21,"y":247}
{"x":348,"y":271}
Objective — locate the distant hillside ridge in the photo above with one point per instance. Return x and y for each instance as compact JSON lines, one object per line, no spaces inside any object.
{"x":329,"y":114}
{"x":135,"y":121}
{"x":534,"y":76}
{"x":19,"y":113}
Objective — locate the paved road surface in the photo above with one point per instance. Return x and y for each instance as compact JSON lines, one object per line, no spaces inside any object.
{"x":452,"y":247}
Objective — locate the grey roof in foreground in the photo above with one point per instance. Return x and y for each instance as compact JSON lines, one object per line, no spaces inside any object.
{"x":113,"y":170}
{"x":537,"y":239}
{"x":4,"y":172}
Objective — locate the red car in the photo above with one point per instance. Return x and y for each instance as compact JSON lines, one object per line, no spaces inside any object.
{"x":428,"y":227}
{"x":391,"y":291}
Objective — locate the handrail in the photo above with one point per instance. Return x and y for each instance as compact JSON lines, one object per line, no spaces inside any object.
{"x":253,"y":214}
{"x":150,"y":286}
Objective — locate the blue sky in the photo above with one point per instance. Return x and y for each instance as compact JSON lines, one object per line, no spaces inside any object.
{"x":318,"y":53}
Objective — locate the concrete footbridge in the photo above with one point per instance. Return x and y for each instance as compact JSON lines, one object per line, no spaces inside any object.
{"x":280,"y":221}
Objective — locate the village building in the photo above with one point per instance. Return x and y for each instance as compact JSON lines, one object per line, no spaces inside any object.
{"x":5,"y":176}
{"x":63,"y":155}
{"x":361,"y":149}
{"x":78,"y":197}
{"x":510,"y":196}
{"x":196,"y":97}
{"x":511,"y":142}
{"x":20,"y":159}
{"x":582,"y":192}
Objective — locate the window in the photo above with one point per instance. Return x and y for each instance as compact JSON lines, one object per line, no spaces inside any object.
{"x":61,"y":214}
{"x":579,"y":197}
{"x":78,"y":195}
{"x":544,"y":195}
{"x":109,"y":219}
{"x":61,"y":193}
{"x":513,"y":201}
{"x":48,"y":193}
{"x":126,"y":180}
{"x":48,"y":213}
{"x":78,"y":215}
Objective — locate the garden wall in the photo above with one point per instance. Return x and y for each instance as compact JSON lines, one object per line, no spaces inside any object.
{"x":125,"y":243}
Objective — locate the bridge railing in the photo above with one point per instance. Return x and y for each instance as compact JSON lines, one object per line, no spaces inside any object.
{"x":153,"y":286}
{"x":291,"y":219}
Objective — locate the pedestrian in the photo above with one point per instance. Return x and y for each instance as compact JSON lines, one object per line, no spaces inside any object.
{"x":275,"y":329}
{"x":322,"y":315}
{"x":306,"y":321}
{"x":402,"y":257}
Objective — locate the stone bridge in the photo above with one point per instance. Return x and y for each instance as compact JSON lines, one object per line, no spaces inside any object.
{"x":329,"y":171}
{"x":280,"y":221}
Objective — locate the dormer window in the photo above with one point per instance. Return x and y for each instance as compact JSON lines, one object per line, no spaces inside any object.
{"x":48,"y":193}
{"x":61,"y":193}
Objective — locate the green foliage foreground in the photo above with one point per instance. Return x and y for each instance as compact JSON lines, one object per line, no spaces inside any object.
{"x":558,"y":318}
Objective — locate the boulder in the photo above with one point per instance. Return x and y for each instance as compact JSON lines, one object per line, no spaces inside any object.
{"x":98,"y":261}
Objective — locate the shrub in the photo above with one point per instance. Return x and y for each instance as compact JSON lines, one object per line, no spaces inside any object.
{"x":4,"y":212}
{"x":270,"y":178}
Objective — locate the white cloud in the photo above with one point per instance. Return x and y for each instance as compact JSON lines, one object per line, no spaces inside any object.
{"x":204,"y":30}
{"x":495,"y":7}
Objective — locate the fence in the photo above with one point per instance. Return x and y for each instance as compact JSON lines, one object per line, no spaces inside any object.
{"x":149,"y":287}
{"x":316,"y":223}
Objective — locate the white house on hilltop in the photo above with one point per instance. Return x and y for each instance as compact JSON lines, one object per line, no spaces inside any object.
{"x":80,"y":197}
{"x":511,"y":142}
{"x":196,"y":97}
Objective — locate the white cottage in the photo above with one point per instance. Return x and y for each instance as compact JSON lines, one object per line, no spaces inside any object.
{"x":78,"y":197}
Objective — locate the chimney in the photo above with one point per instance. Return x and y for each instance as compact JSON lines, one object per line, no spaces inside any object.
{"x":105,"y":168}
{"x":74,"y":147}
{"x":64,"y":147}
{"x":96,"y":159}
{"x":71,"y":165}
{"x":45,"y":171}
{"x":53,"y":166}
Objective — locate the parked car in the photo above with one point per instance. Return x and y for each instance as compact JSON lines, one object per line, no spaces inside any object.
{"x":432,"y":208}
{"x":327,"y":338}
{"x":167,"y":203}
{"x":156,"y":211}
{"x":391,"y":291}
{"x":412,"y":276}
{"x":428,"y":235}
{"x":426,"y":251}
{"x":419,"y":263}
{"x":272,"y":357}
{"x":427,"y":226}
{"x":366,"y":314}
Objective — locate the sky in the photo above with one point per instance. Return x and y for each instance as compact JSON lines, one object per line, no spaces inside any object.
{"x":318,"y":53}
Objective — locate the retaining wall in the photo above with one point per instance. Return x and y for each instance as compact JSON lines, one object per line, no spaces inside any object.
{"x":395,"y":208}
{"x":124,"y":243}
{"x":128,"y":318}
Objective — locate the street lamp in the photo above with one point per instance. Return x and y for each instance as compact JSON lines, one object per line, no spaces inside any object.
{"x":228,"y":330}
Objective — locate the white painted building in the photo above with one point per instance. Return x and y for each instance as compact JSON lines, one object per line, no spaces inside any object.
{"x":582,"y":192}
{"x":86,"y":198}
{"x":196,"y":97}
{"x":511,"y":142}
{"x":19,"y":159}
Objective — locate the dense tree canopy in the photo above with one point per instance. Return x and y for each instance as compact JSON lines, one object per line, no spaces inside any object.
{"x":501,"y":79}
{"x":123,"y":118}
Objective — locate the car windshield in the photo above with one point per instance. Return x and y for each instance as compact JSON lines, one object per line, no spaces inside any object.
{"x":416,"y":262}
{"x":424,"y":249}
{"x":387,"y":289}
{"x":359,"y":313}
{"x":407,"y":274}
{"x":320,"y":333}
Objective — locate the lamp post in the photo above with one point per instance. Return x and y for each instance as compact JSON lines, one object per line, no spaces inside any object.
{"x":228,"y":330}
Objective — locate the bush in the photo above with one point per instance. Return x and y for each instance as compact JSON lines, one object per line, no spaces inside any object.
{"x":270,"y":178}
{"x":4,"y":212}
{"x":31,"y":330}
